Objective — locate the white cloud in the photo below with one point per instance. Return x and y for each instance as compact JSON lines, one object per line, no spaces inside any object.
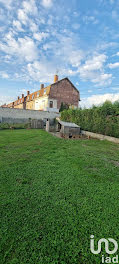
{"x":41,"y":71}
{"x":22,"y":16}
{"x":23,"y":48}
{"x":33,"y":26}
{"x":7,"y":58}
{"x":30,"y":7}
{"x":27,"y":48}
{"x":66,"y":49}
{"x":103,"y":79}
{"x":44,"y":70}
{"x":6,"y":99}
{"x":4,"y":75}
{"x":116,"y":54}
{"x":96,"y":63}
{"x":6,"y":3}
{"x":76,"y":26}
{"x":41,"y":35}
{"x":41,"y":20}
{"x":98,"y":99}
{"x":113,"y":65}
{"x":107,"y":45}
{"x":93,"y":70}
{"x":90,"y":19}
{"x":76,"y":14}
{"x":115,"y":88}
{"x":75,"y":58}
{"x":89,"y":91}
{"x":64,"y":53}
{"x":17,"y":25}
{"x":47,"y":3}
{"x":47,"y":46}
{"x":2,"y":29}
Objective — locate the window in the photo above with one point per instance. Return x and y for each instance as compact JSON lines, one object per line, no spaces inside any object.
{"x":51,"y":104}
{"x":44,"y":91}
{"x":33,"y":96}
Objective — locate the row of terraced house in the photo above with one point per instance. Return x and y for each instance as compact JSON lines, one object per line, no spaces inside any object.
{"x":49,"y":98}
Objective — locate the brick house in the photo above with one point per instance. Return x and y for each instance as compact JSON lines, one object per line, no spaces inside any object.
{"x":49,"y":98}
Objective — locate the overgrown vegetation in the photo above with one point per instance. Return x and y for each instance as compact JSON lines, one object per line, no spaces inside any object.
{"x":14,"y":126}
{"x":54,"y":194}
{"x":102,"y":119}
{"x":63,"y":107}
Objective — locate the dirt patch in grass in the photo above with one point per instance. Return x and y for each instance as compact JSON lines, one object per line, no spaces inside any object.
{"x":115,"y":162}
{"x":35,"y":150}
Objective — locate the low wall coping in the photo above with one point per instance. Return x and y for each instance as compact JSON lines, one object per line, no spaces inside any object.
{"x":100,"y":136}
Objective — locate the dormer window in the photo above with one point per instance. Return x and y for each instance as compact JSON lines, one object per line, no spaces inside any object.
{"x":33,"y":96}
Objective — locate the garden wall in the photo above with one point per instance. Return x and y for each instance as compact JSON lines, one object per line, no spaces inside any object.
{"x":11,"y":115}
{"x":99,"y":136}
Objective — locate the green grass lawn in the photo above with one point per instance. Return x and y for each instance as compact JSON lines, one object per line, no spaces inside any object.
{"x":54,"y":194}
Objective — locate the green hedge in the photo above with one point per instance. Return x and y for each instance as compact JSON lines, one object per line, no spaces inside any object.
{"x":103,"y":119}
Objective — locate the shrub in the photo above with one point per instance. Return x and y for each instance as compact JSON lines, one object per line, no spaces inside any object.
{"x":14,"y":126}
{"x":63,"y":107}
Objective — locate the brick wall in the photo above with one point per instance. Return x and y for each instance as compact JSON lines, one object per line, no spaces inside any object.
{"x":64,"y":92}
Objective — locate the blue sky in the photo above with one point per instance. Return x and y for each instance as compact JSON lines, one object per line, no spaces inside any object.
{"x":78,"y":39}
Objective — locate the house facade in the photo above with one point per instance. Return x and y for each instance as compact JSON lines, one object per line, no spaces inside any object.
{"x":49,"y":98}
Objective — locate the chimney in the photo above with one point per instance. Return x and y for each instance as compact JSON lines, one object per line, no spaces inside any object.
{"x":28,"y":92}
{"x":42,"y":86}
{"x":55,"y":78}
{"x":18,"y":97}
{"x":22,"y":95}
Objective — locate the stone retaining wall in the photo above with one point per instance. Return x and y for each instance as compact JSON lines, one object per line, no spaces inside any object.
{"x":100,"y":136}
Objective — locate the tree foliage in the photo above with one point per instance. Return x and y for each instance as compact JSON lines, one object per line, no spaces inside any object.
{"x":63,"y":107}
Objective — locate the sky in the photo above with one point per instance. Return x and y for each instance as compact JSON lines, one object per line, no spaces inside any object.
{"x":78,"y":39}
